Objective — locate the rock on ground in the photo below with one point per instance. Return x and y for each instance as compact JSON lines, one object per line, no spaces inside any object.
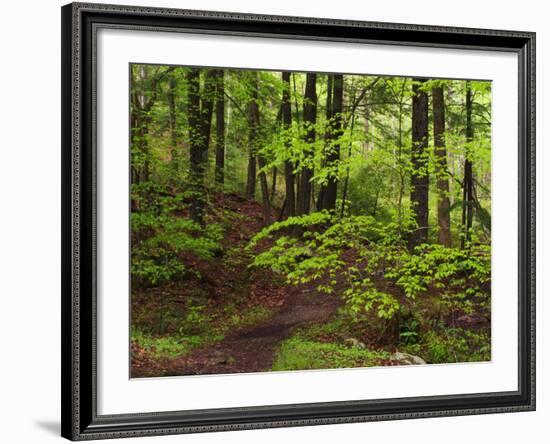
{"x":406,"y":358}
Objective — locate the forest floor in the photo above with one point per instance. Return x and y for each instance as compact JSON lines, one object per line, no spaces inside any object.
{"x":248,"y":313}
{"x":229,"y":318}
{"x":253,"y":349}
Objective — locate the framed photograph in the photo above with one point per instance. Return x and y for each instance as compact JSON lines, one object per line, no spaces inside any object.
{"x":281,"y":221}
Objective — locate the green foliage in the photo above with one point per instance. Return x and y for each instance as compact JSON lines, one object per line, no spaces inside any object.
{"x":151,"y":272}
{"x":169,"y":346}
{"x":452,"y":345}
{"x":299,"y":354}
{"x":357,"y":251}
{"x":337,"y":329}
{"x":460,"y":277}
{"x":198,"y":326}
{"x":363,"y":295}
{"x":161,"y":239}
{"x":240,"y":318}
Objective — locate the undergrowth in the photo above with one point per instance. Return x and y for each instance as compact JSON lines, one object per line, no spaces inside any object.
{"x":199,"y":328}
{"x":301,"y":354}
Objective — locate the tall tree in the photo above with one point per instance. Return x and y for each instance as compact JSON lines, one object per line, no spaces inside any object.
{"x":171,"y":96}
{"x":355,"y":101}
{"x":144,"y":95}
{"x":278,"y":121}
{"x":468,"y":183}
{"x":200,"y":104}
{"x":254,"y":141}
{"x":220,"y":127}
{"x":333,"y":155}
{"x":251,"y":169}
{"x":328,"y":117}
{"x":443,"y":203}
{"x":420,"y":180}
{"x":310,"y":118}
{"x":290,"y":199}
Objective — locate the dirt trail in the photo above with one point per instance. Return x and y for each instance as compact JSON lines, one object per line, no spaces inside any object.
{"x":250,"y":349}
{"x":253,"y":349}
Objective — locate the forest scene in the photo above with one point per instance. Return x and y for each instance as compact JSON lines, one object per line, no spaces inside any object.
{"x":287,"y":221}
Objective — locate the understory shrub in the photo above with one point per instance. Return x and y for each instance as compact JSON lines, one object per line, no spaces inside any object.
{"x":371,"y":267}
{"x":452,"y":345}
{"x":161,"y":239}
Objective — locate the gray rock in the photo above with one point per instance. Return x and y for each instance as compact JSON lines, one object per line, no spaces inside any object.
{"x":354,"y":343}
{"x":406,"y":358}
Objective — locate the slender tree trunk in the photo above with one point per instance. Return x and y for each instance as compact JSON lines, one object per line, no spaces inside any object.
{"x":366,"y":144}
{"x":173,"y":124}
{"x":251,"y":170}
{"x":278,"y":121}
{"x":328,"y":114}
{"x":346,"y":181}
{"x":196,"y":144}
{"x":297,"y":119}
{"x":207,"y":109}
{"x":140,"y":125}
{"x":135,"y":147}
{"x":266,"y":205}
{"x":310,"y":118}
{"x":443,"y":203}
{"x":419,"y":175}
{"x":144,"y":126}
{"x":199,"y":119}
{"x":141,"y":105}
{"x":296,"y":108}
{"x":400,"y":160}
{"x":251,"y":175}
{"x":468,"y":183}
{"x":253,"y":141}
{"x":136,"y":132}
{"x":290,"y":199}
{"x":220,"y":128}
{"x":333,"y":156}
{"x":273,"y":183}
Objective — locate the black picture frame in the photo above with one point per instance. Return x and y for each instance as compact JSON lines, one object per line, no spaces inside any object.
{"x":80,"y":420}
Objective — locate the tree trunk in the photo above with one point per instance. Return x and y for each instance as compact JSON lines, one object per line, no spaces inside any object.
{"x":207,"y":108}
{"x":251,"y":170}
{"x":310,"y":118}
{"x":420,"y":180}
{"x":140,"y":127}
{"x":266,"y":205}
{"x":328,"y":114}
{"x":273,"y":183}
{"x":199,"y":120}
{"x":290,"y":199}
{"x":141,"y":106}
{"x":135,"y":135}
{"x":253,"y":141}
{"x":274,"y":172}
{"x":251,"y":176}
{"x":220,"y":128}
{"x":468,"y":183}
{"x":172,"y":121}
{"x":196,"y":165}
{"x":443,"y":203}
{"x":346,"y":181}
{"x":333,"y":156}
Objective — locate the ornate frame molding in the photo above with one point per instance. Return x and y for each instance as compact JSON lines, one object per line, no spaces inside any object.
{"x":79,"y":395}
